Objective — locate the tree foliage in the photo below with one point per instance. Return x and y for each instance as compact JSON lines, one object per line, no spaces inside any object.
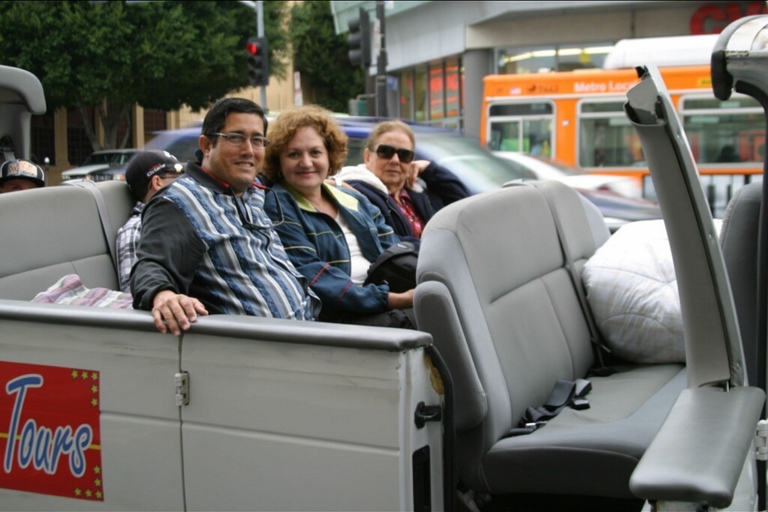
{"x":321,"y":56}
{"x":111,"y":55}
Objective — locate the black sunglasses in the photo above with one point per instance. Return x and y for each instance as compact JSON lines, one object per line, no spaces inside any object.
{"x":386,"y":151}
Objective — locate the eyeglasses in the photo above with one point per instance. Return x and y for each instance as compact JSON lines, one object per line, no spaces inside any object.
{"x":386,"y":151}
{"x":238,"y":139}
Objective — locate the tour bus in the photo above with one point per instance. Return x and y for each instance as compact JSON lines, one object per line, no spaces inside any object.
{"x":577,"y":117}
{"x":503,"y":399}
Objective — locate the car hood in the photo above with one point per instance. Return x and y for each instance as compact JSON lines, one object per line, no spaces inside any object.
{"x":620,"y":207}
{"x":86,"y":169}
{"x":620,"y":185}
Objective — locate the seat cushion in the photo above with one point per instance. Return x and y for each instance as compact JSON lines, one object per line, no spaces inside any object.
{"x":592,"y":451}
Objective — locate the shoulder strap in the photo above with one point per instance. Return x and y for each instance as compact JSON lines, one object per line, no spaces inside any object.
{"x":103,"y":214}
{"x":597,"y":340}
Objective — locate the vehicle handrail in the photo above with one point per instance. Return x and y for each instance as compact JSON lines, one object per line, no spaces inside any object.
{"x":231,"y":326}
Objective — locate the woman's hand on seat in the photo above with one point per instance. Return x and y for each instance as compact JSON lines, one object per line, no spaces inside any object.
{"x":400,"y":300}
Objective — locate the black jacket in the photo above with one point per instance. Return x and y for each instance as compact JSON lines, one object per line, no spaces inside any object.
{"x":443,"y":188}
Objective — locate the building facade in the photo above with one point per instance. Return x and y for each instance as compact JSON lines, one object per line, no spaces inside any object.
{"x":438,"y":52}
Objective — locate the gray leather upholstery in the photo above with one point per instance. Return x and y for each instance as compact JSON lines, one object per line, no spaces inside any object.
{"x":72,"y":241}
{"x":21,"y":95}
{"x":496,"y":295}
{"x":739,"y":240}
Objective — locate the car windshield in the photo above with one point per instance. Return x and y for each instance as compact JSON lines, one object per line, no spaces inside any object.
{"x":478,"y":168}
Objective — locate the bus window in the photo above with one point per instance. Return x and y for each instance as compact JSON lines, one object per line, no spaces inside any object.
{"x":606,"y":137}
{"x":722,"y":132}
{"x":522,"y":127}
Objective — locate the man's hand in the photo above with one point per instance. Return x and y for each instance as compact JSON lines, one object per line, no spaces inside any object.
{"x":175,"y":312}
{"x":416,"y":168}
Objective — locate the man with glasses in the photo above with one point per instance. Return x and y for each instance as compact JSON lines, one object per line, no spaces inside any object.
{"x":206,"y":244}
{"x":147,"y":172}
{"x":388,"y":178}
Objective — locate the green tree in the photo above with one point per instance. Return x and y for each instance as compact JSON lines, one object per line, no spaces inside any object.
{"x":321,"y":56}
{"x":111,"y":55}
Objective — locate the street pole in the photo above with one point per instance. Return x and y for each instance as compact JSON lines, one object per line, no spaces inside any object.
{"x":260,"y":33}
{"x":381,"y":71}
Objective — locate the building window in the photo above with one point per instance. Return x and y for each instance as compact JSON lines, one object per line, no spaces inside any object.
{"x":420,"y":94}
{"x":124,"y":132}
{"x":522,"y":127}
{"x":436,"y":92}
{"x":452,"y":94}
{"x":406,"y":94}
{"x":723,"y":132}
{"x":154,"y":121}
{"x":78,"y":144}
{"x":606,"y":137}
{"x":43,"y":140}
{"x":535,"y":59}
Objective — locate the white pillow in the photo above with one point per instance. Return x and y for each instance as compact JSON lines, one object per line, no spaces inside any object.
{"x":632,"y":290}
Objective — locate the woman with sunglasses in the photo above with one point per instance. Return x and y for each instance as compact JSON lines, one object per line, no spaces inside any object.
{"x":388,"y":178}
{"x":330,"y":235}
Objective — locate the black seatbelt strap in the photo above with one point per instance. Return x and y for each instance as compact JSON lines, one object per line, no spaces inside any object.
{"x":566,"y":393}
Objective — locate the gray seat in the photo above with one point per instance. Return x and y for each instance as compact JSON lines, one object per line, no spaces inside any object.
{"x":69,"y":237}
{"x":495,"y":292}
{"x":739,"y":241}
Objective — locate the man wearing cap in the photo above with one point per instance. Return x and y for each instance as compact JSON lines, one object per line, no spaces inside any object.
{"x":147,"y":172}
{"x":18,"y":175}
{"x":206,"y":243}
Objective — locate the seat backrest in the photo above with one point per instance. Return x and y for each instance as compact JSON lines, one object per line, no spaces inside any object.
{"x":21,"y":96}
{"x":58,"y":231}
{"x":739,"y":241}
{"x":495,"y":293}
{"x":118,"y":203}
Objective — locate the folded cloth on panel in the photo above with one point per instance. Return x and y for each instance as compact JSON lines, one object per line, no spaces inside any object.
{"x":70,"y":290}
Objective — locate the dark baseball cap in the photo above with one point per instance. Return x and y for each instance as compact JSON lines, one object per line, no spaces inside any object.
{"x":22,"y":169}
{"x":147,"y":164}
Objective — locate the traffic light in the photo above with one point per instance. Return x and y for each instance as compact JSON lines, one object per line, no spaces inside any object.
{"x":359,"y":40}
{"x":258,"y":61}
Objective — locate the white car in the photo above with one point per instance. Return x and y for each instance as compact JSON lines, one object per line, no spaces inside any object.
{"x":547,"y":169}
{"x":100,"y":161}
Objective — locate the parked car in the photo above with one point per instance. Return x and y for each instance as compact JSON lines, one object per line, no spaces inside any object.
{"x":99,"y":162}
{"x":548,"y":169}
{"x":477,"y":167}
{"x":181,"y":143}
{"x":481,"y":170}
